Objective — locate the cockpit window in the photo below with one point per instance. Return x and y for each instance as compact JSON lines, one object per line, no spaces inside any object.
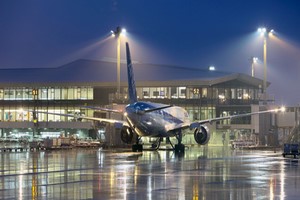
{"x":142,"y":106}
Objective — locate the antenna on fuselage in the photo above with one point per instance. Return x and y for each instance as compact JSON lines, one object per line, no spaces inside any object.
{"x":131,"y":82}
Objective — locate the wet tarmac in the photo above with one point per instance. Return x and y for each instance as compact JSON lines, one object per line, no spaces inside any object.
{"x":202,"y":173}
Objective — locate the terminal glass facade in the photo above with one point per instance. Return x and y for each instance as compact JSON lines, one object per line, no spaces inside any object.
{"x":207,"y":102}
{"x":47,"y":93}
{"x":200,"y":102}
{"x":220,"y":93}
{"x":31,"y":99}
{"x":21,"y":115}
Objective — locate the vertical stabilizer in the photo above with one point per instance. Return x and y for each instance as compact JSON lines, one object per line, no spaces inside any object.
{"x":131,"y":82}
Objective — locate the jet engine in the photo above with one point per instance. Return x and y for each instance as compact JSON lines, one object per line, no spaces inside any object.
{"x":202,"y":135}
{"x":126,"y":134}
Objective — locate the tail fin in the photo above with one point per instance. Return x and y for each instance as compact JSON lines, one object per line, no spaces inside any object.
{"x":131,"y":82}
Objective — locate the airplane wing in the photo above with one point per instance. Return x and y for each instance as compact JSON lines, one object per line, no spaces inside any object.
{"x":119,"y":111}
{"x":196,"y":124}
{"x":102,"y":109}
{"x":117,"y":123}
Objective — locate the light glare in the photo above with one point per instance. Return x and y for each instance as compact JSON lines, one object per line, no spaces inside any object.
{"x":212,"y":68}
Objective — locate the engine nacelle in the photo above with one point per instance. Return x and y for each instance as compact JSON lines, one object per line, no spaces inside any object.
{"x":202,"y":135}
{"x":126,"y":134}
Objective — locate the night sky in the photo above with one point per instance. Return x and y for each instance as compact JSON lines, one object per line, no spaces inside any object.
{"x":189,"y":33}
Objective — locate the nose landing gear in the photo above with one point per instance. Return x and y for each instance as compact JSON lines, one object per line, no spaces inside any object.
{"x":179,"y":148}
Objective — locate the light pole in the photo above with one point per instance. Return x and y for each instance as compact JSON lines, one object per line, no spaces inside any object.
{"x":265,"y":33}
{"x":253,"y":61}
{"x":117,"y":33}
{"x":266,"y":126}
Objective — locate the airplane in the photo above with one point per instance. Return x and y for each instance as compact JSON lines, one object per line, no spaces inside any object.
{"x":150,"y":119}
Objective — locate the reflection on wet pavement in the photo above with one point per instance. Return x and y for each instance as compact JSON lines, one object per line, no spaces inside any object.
{"x":203,"y":173}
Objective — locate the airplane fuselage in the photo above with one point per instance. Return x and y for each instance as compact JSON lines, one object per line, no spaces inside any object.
{"x":164,"y":122}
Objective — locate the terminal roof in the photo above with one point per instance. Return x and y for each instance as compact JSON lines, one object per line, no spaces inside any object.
{"x":92,"y":71}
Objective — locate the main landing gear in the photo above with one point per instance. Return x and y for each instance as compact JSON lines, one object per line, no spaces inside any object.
{"x":137,"y":147}
{"x":179,"y":148}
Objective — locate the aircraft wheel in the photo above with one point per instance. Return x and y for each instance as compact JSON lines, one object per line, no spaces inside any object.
{"x":137,"y":148}
{"x":179,"y":148}
{"x":140,"y":147}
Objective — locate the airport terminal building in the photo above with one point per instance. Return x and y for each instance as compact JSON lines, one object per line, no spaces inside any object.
{"x":66,"y":89}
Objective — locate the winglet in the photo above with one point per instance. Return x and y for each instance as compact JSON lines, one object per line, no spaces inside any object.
{"x":131,"y":82}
